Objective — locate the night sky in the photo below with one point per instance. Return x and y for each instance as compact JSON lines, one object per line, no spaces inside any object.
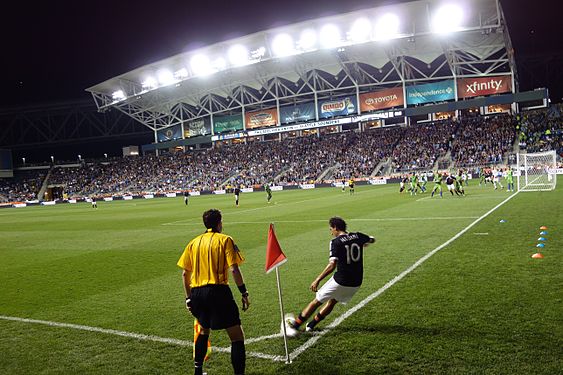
{"x":53,"y":50}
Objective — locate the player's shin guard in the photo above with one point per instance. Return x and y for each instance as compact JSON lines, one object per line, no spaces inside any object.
{"x":238,"y":357}
{"x":200,"y":351}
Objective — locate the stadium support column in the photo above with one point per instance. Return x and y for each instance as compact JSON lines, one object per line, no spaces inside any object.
{"x":455,"y":95}
{"x":514,"y":104}
{"x":404,"y":104}
{"x":359,"y":107}
{"x":156,"y":141}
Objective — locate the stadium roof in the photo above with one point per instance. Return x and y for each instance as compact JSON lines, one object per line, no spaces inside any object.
{"x":354,"y":52}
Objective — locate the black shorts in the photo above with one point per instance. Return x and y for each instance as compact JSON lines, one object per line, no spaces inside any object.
{"x":214,"y":306}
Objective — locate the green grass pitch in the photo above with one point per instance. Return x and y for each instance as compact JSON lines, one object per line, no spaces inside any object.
{"x":479,"y":305}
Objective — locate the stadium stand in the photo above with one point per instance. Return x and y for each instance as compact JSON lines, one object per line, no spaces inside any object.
{"x":472,"y":142}
{"x":542,"y":130}
{"x":483,"y":141}
{"x":24,"y":186}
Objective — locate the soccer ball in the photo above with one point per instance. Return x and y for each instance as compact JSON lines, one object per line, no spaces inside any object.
{"x":289,"y":331}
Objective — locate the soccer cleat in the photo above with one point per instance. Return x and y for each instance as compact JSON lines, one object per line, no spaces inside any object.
{"x":309,"y":329}
{"x":292,"y":323}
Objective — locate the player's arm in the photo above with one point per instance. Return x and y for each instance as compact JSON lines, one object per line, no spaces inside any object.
{"x":330,"y":267}
{"x":239,"y":281}
{"x":370,"y":240}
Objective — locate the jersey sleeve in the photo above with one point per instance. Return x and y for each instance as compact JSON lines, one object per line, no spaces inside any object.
{"x":333,"y":255}
{"x":364,"y":238}
{"x":185,"y":261}
{"x":232,"y":253}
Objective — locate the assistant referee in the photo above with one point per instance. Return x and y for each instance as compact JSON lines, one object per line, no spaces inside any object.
{"x":206,"y":261}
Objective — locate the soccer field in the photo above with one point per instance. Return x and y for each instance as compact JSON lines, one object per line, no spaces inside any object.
{"x":448,"y":288}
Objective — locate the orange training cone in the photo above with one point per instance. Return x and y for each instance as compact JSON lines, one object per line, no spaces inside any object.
{"x":537,"y":256}
{"x":543,"y":227}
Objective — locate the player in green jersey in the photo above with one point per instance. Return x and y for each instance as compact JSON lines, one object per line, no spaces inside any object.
{"x":268,"y":191}
{"x":414,"y":184}
{"x":481,"y":177}
{"x":437,"y":184}
{"x":459,"y":183}
{"x":509,"y":179}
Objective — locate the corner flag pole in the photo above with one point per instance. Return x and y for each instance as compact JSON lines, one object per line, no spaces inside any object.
{"x":275,"y":258}
{"x":287,"y":359}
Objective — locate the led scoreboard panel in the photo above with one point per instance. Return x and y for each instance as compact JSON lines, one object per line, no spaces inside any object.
{"x":6,"y":167}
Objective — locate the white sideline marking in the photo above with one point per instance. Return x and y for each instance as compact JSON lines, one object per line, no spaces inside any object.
{"x":481,"y":234}
{"x":396,"y":279}
{"x":140,"y":336}
{"x":324,"y":220}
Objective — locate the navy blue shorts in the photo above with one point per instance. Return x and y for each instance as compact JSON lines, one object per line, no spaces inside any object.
{"x":214,"y":306}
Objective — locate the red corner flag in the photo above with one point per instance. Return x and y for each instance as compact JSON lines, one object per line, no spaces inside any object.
{"x":274,"y":254}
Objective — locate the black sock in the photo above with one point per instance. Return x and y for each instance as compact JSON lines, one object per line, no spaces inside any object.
{"x":238,"y":357}
{"x":315,"y":321}
{"x":200,"y":351}
{"x":300,"y":320}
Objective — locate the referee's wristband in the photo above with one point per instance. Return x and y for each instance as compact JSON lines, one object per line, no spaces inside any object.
{"x":242,"y":289}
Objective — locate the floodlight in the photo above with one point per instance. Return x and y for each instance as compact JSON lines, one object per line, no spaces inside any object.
{"x":181,"y":74}
{"x":238,"y":55}
{"x":307,"y":39}
{"x":387,"y":27}
{"x":282,"y":45}
{"x":330,"y":36}
{"x":360,"y":31}
{"x":165,"y":77}
{"x":149,"y":83}
{"x":447,"y":18}
{"x":118,"y":95}
{"x":200,"y":65}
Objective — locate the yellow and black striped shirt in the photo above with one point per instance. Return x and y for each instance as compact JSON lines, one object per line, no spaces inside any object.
{"x":208,"y":257}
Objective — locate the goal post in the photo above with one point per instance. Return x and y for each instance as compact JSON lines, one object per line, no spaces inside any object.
{"x":536,"y":171}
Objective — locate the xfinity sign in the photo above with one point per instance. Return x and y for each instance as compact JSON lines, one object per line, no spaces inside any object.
{"x":481,"y":86}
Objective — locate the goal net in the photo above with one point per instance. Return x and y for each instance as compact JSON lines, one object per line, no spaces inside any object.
{"x":537,"y":171}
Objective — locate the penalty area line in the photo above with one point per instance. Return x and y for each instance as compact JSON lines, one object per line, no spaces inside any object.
{"x":301,"y":349}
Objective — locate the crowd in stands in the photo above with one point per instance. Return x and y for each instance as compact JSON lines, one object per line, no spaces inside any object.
{"x":421,"y":145}
{"x":542,"y":130}
{"x":472,"y":142}
{"x":483,"y":141}
{"x":24,"y":186}
{"x":364,"y":152}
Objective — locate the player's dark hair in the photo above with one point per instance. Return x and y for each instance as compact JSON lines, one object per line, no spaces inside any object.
{"x":211,"y":219}
{"x":337,"y":223}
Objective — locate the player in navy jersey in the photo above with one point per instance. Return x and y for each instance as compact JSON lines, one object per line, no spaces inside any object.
{"x":347,"y":257}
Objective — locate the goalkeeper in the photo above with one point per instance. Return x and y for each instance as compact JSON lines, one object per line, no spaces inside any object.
{"x":509,"y":179}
